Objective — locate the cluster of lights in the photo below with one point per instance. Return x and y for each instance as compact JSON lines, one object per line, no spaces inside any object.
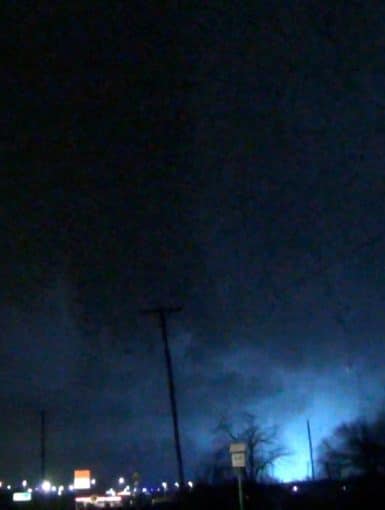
{"x":128,"y":491}
{"x":48,"y":488}
{"x":190,"y":484}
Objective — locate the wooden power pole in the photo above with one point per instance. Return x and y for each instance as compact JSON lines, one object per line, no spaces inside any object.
{"x":162,"y":313}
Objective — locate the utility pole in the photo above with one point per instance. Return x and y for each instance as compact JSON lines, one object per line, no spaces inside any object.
{"x":42,"y":445}
{"x":310,"y":449}
{"x":162,"y":313}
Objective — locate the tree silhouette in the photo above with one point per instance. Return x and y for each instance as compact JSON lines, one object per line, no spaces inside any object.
{"x":262,"y":449}
{"x":356,"y":448}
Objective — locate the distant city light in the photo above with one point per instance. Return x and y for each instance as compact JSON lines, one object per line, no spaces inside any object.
{"x":176,"y":484}
{"x":46,"y":486}
{"x":144,"y":490}
{"x":9,"y":487}
{"x":24,"y":483}
{"x":30,"y":490}
{"x":190,"y":484}
{"x":111,"y":492}
{"x":121,"y":480}
{"x":111,"y":501}
{"x":53,"y":488}
{"x":125,"y":491}
{"x":295,"y":488}
{"x":93,"y":481}
{"x":71,"y":487}
{"x":164,"y":485}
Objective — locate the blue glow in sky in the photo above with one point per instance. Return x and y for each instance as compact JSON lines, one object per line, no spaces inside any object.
{"x":327,"y":411}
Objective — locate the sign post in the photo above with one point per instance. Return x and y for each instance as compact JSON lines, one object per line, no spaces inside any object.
{"x":238,"y":461}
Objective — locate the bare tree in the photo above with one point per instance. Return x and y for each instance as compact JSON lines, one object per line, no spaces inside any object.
{"x":356,"y":448}
{"x":262,"y":446}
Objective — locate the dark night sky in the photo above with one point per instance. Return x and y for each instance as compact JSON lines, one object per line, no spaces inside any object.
{"x":227,"y":158}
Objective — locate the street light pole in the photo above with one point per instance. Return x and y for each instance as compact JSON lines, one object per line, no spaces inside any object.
{"x":310,"y":449}
{"x":42,"y":445}
{"x":162,"y":313}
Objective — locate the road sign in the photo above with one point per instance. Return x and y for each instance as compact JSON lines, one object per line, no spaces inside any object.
{"x":238,"y":460}
{"x":238,"y":455}
{"x":82,"y":479}
{"x":238,"y":448}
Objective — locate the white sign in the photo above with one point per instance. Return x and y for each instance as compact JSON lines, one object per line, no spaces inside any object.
{"x":238,"y":455}
{"x":238,"y":448}
{"x":82,"y":479}
{"x":22,"y":496}
{"x":238,"y":460}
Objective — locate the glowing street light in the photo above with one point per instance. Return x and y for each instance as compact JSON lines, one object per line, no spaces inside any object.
{"x":71,"y":487}
{"x":121,"y":480}
{"x":46,"y":486}
{"x":24,"y":483}
{"x":93,"y":481}
{"x":164,"y":485}
{"x":190,"y":484}
{"x":9,"y":487}
{"x":176,"y":484}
